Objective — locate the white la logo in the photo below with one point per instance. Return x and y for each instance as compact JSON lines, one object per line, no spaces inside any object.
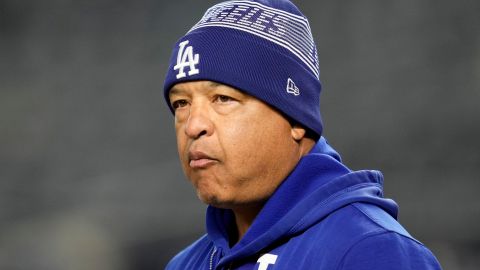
{"x":185,"y":58}
{"x":265,"y":260}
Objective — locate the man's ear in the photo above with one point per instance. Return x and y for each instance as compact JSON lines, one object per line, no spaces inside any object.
{"x":298,"y":132}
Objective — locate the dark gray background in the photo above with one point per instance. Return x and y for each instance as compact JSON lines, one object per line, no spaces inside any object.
{"x":89,"y":177}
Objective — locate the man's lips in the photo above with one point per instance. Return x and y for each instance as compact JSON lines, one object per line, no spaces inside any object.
{"x":200,"y":160}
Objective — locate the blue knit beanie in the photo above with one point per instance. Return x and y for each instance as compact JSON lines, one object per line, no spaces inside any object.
{"x":264,"y":48}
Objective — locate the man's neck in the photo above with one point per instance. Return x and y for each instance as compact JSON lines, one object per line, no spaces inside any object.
{"x":244,"y":217}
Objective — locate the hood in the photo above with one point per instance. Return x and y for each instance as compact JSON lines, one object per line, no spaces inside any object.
{"x":317,"y":186}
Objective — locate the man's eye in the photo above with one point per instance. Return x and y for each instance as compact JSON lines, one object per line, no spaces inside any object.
{"x":179,"y":103}
{"x":222,"y":98}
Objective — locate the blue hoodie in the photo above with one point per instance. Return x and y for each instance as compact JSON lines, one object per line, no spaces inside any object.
{"x":323,"y":216}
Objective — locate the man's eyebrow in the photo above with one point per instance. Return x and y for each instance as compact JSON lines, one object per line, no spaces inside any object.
{"x":175,"y":91}
{"x":214,"y":84}
{"x":179,"y":91}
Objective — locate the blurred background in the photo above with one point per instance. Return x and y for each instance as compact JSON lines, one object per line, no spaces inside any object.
{"x":89,"y":177}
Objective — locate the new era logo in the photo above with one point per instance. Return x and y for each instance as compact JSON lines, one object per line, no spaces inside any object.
{"x":292,"y":88}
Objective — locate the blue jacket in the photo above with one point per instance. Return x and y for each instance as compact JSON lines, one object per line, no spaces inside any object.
{"x":322,"y":217}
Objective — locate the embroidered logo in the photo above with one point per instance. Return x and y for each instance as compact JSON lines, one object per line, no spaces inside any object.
{"x":186,"y":58}
{"x":265,"y":260}
{"x":292,"y":88}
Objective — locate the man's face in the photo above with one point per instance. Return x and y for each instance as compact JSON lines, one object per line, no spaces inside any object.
{"x":234,"y":148}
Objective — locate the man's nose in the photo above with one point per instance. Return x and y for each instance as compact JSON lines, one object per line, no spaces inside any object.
{"x":199,"y":121}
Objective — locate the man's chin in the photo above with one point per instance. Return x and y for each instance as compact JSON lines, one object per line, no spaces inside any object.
{"x":216,"y":201}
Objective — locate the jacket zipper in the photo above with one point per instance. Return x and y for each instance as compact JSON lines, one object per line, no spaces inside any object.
{"x":211,"y":257}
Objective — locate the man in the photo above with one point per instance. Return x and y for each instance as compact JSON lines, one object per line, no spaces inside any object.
{"x":244,"y":86}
